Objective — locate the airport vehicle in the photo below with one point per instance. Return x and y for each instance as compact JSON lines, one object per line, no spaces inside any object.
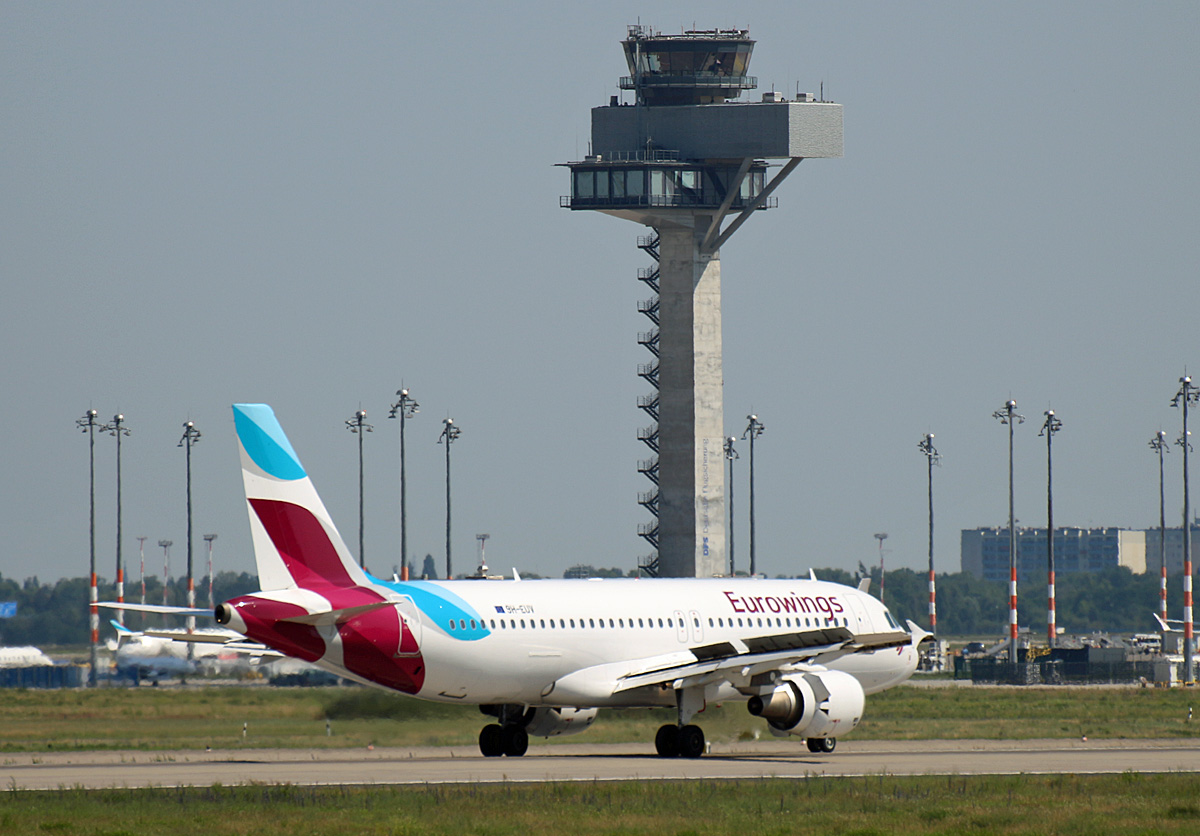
{"x":542,"y":656}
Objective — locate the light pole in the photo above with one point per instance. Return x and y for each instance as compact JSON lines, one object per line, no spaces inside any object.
{"x":1049,"y":428}
{"x":357,"y":424}
{"x":208,"y":538}
{"x":753,"y":430}
{"x":881,"y":536}
{"x":166,"y":547}
{"x":1188,"y":394}
{"x":450,"y":433}
{"x":932,"y":456}
{"x":190,"y":436}
{"x":87,"y":424}
{"x":142,"y":561}
{"x":404,"y":408}
{"x":1159,"y":445}
{"x":1009,"y":416}
{"x":118,"y":429}
{"x":482,"y":538}
{"x":730,"y":455}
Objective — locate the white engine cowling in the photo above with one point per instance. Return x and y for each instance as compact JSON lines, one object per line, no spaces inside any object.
{"x":552,"y":722}
{"x":826,"y":704}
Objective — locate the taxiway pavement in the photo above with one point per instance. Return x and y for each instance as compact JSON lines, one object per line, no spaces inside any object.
{"x":589,"y":762}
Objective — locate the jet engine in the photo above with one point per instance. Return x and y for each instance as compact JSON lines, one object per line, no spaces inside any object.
{"x":826,"y":704}
{"x":552,"y":722}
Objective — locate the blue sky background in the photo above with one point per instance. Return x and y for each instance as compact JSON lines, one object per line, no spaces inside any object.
{"x":309,"y":205}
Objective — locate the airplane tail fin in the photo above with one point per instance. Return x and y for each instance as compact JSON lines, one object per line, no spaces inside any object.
{"x":296,"y":543}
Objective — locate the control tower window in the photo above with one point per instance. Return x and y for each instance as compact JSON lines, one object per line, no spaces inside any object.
{"x":585,"y":183}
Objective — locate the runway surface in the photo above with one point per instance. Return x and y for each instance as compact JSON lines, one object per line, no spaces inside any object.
{"x":589,"y":762}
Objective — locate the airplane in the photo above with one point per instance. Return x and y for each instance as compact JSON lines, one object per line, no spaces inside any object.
{"x":541,"y":657}
{"x":165,"y":652}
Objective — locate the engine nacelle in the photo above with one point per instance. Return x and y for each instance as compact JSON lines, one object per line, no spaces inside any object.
{"x":825,"y":704}
{"x":552,"y":722}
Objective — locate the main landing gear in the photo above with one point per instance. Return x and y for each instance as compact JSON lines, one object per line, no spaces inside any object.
{"x":496,"y":740}
{"x":679,"y":741}
{"x":507,"y":737}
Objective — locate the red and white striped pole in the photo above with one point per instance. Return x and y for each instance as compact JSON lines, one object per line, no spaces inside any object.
{"x":1188,"y":394}
{"x":1051,"y":626}
{"x":1009,"y":416}
{"x":87,"y":424}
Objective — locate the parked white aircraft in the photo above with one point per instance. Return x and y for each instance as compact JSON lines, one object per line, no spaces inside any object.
{"x":23,"y":657}
{"x":543,"y":656}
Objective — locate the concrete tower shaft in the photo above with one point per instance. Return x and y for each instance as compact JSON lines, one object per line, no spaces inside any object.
{"x":690,"y":389}
{"x":682,"y":159}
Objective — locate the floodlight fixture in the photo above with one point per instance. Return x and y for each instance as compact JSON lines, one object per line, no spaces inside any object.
{"x":1160,"y":446}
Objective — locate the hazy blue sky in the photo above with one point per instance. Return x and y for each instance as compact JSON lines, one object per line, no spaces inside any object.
{"x":309,"y":204}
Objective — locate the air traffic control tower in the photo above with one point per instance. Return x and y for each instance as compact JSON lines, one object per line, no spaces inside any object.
{"x":691,"y":163}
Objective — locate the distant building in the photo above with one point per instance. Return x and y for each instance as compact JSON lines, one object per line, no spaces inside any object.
{"x":1174,"y":548}
{"x":985,"y":551}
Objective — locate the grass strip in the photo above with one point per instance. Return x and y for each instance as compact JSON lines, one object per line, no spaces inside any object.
{"x":1066,"y":805}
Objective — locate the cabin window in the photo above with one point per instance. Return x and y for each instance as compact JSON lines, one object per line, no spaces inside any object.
{"x":522,"y":624}
{"x":640,"y":623}
{"x":611,"y":623}
{"x":592,"y":623}
{"x":451,"y":625}
{"x":739,"y":622}
{"x":710,"y":622}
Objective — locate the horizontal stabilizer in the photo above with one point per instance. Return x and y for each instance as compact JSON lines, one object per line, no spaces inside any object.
{"x":159,"y":608}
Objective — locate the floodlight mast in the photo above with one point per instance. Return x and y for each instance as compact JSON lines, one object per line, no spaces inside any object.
{"x":1187,"y":395}
{"x":1008,"y":415}
{"x":753,"y":430}
{"x":357,"y":425}
{"x":881,"y":536}
{"x":191,"y":435}
{"x":1159,"y":445}
{"x":731,"y":454}
{"x":404,"y":408}
{"x":118,"y":429}
{"x":166,"y":547}
{"x":87,"y":424}
{"x":450,"y":433}
{"x":208,"y":538}
{"x":933,"y":458}
{"x":1049,"y":428}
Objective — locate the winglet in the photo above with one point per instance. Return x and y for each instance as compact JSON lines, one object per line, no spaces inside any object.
{"x":918,"y":635}
{"x":865,"y":584}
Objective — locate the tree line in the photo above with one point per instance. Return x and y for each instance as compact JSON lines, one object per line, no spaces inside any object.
{"x":1114,"y":600}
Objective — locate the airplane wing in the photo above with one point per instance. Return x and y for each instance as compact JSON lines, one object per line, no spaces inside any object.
{"x":736,"y":661}
{"x":752,"y":656}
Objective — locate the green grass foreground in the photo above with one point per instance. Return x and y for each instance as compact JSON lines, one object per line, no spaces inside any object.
{"x":1064,"y":805}
{"x":198,"y":717}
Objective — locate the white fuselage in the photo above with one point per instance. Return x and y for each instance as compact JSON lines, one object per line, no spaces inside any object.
{"x":491,"y":641}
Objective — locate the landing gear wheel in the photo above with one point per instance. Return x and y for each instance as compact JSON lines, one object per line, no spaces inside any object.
{"x":491,"y":741}
{"x":667,"y":741}
{"x":691,"y":742}
{"x":516,"y":740}
{"x":822,"y":745}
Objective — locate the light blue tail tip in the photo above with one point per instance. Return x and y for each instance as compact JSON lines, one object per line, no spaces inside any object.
{"x":265,"y":442}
